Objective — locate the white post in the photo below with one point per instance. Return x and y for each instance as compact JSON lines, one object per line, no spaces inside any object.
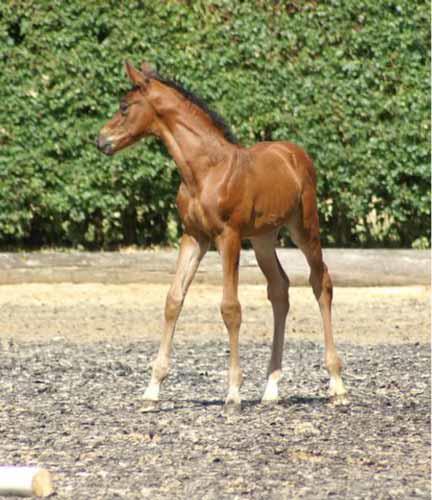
{"x":25,"y":481}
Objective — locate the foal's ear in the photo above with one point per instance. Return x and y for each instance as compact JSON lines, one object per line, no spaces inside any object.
{"x":135,"y":76}
{"x":148,"y":70}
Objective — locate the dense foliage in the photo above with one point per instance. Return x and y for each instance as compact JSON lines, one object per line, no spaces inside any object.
{"x":347,"y":80}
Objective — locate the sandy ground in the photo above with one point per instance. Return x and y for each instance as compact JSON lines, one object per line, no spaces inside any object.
{"x":125,"y":313}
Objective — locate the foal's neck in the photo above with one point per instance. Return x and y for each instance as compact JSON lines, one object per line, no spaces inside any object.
{"x":193,"y":141}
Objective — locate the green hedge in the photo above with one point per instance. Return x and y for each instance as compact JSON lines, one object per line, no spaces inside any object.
{"x":347,"y":80}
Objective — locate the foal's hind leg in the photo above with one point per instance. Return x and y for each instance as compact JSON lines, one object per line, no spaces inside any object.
{"x":190,"y":255}
{"x":277,"y":293}
{"x":305,"y":233}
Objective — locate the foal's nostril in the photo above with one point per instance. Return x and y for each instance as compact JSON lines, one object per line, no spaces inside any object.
{"x":102,"y":143}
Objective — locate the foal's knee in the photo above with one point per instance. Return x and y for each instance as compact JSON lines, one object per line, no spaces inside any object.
{"x":231,"y":314}
{"x":173,"y":305}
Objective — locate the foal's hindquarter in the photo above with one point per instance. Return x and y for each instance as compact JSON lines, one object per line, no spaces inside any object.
{"x":251,"y":196}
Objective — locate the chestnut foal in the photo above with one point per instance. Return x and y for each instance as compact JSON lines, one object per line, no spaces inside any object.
{"x":228,"y":193}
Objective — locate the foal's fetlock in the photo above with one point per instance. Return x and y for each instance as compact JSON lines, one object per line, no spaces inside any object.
{"x":333,"y":364}
{"x":233,"y":404}
{"x":160,"y":369}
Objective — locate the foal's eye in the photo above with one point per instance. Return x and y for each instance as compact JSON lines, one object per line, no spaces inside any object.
{"x":123,"y":108}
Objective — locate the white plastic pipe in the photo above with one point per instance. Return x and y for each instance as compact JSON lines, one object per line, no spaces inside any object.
{"x":25,"y":481}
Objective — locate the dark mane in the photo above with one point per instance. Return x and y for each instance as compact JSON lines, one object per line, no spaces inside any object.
{"x":217,"y":120}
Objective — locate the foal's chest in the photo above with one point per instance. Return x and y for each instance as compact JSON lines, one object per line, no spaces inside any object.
{"x":198,"y":213}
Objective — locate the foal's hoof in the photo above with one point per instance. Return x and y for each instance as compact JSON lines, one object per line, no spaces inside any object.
{"x":231,"y":408}
{"x":339,"y":399}
{"x":149,"y":405}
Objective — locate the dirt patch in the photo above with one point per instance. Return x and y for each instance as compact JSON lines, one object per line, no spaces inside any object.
{"x":121,"y":313}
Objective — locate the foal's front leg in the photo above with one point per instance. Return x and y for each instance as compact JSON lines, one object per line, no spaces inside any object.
{"x":229,"y":245}
{"x":192,"y":250}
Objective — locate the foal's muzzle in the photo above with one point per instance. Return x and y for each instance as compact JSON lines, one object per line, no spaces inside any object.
{"x":104,"y":145}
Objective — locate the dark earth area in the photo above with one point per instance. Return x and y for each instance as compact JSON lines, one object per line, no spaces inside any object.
{"x":72,"y":401}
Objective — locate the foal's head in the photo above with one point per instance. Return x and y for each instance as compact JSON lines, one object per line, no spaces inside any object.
{"x":134,"y":118}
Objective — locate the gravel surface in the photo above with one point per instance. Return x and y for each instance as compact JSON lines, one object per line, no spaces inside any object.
{"x":74,"y":362}
{"x":76,"y":409}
